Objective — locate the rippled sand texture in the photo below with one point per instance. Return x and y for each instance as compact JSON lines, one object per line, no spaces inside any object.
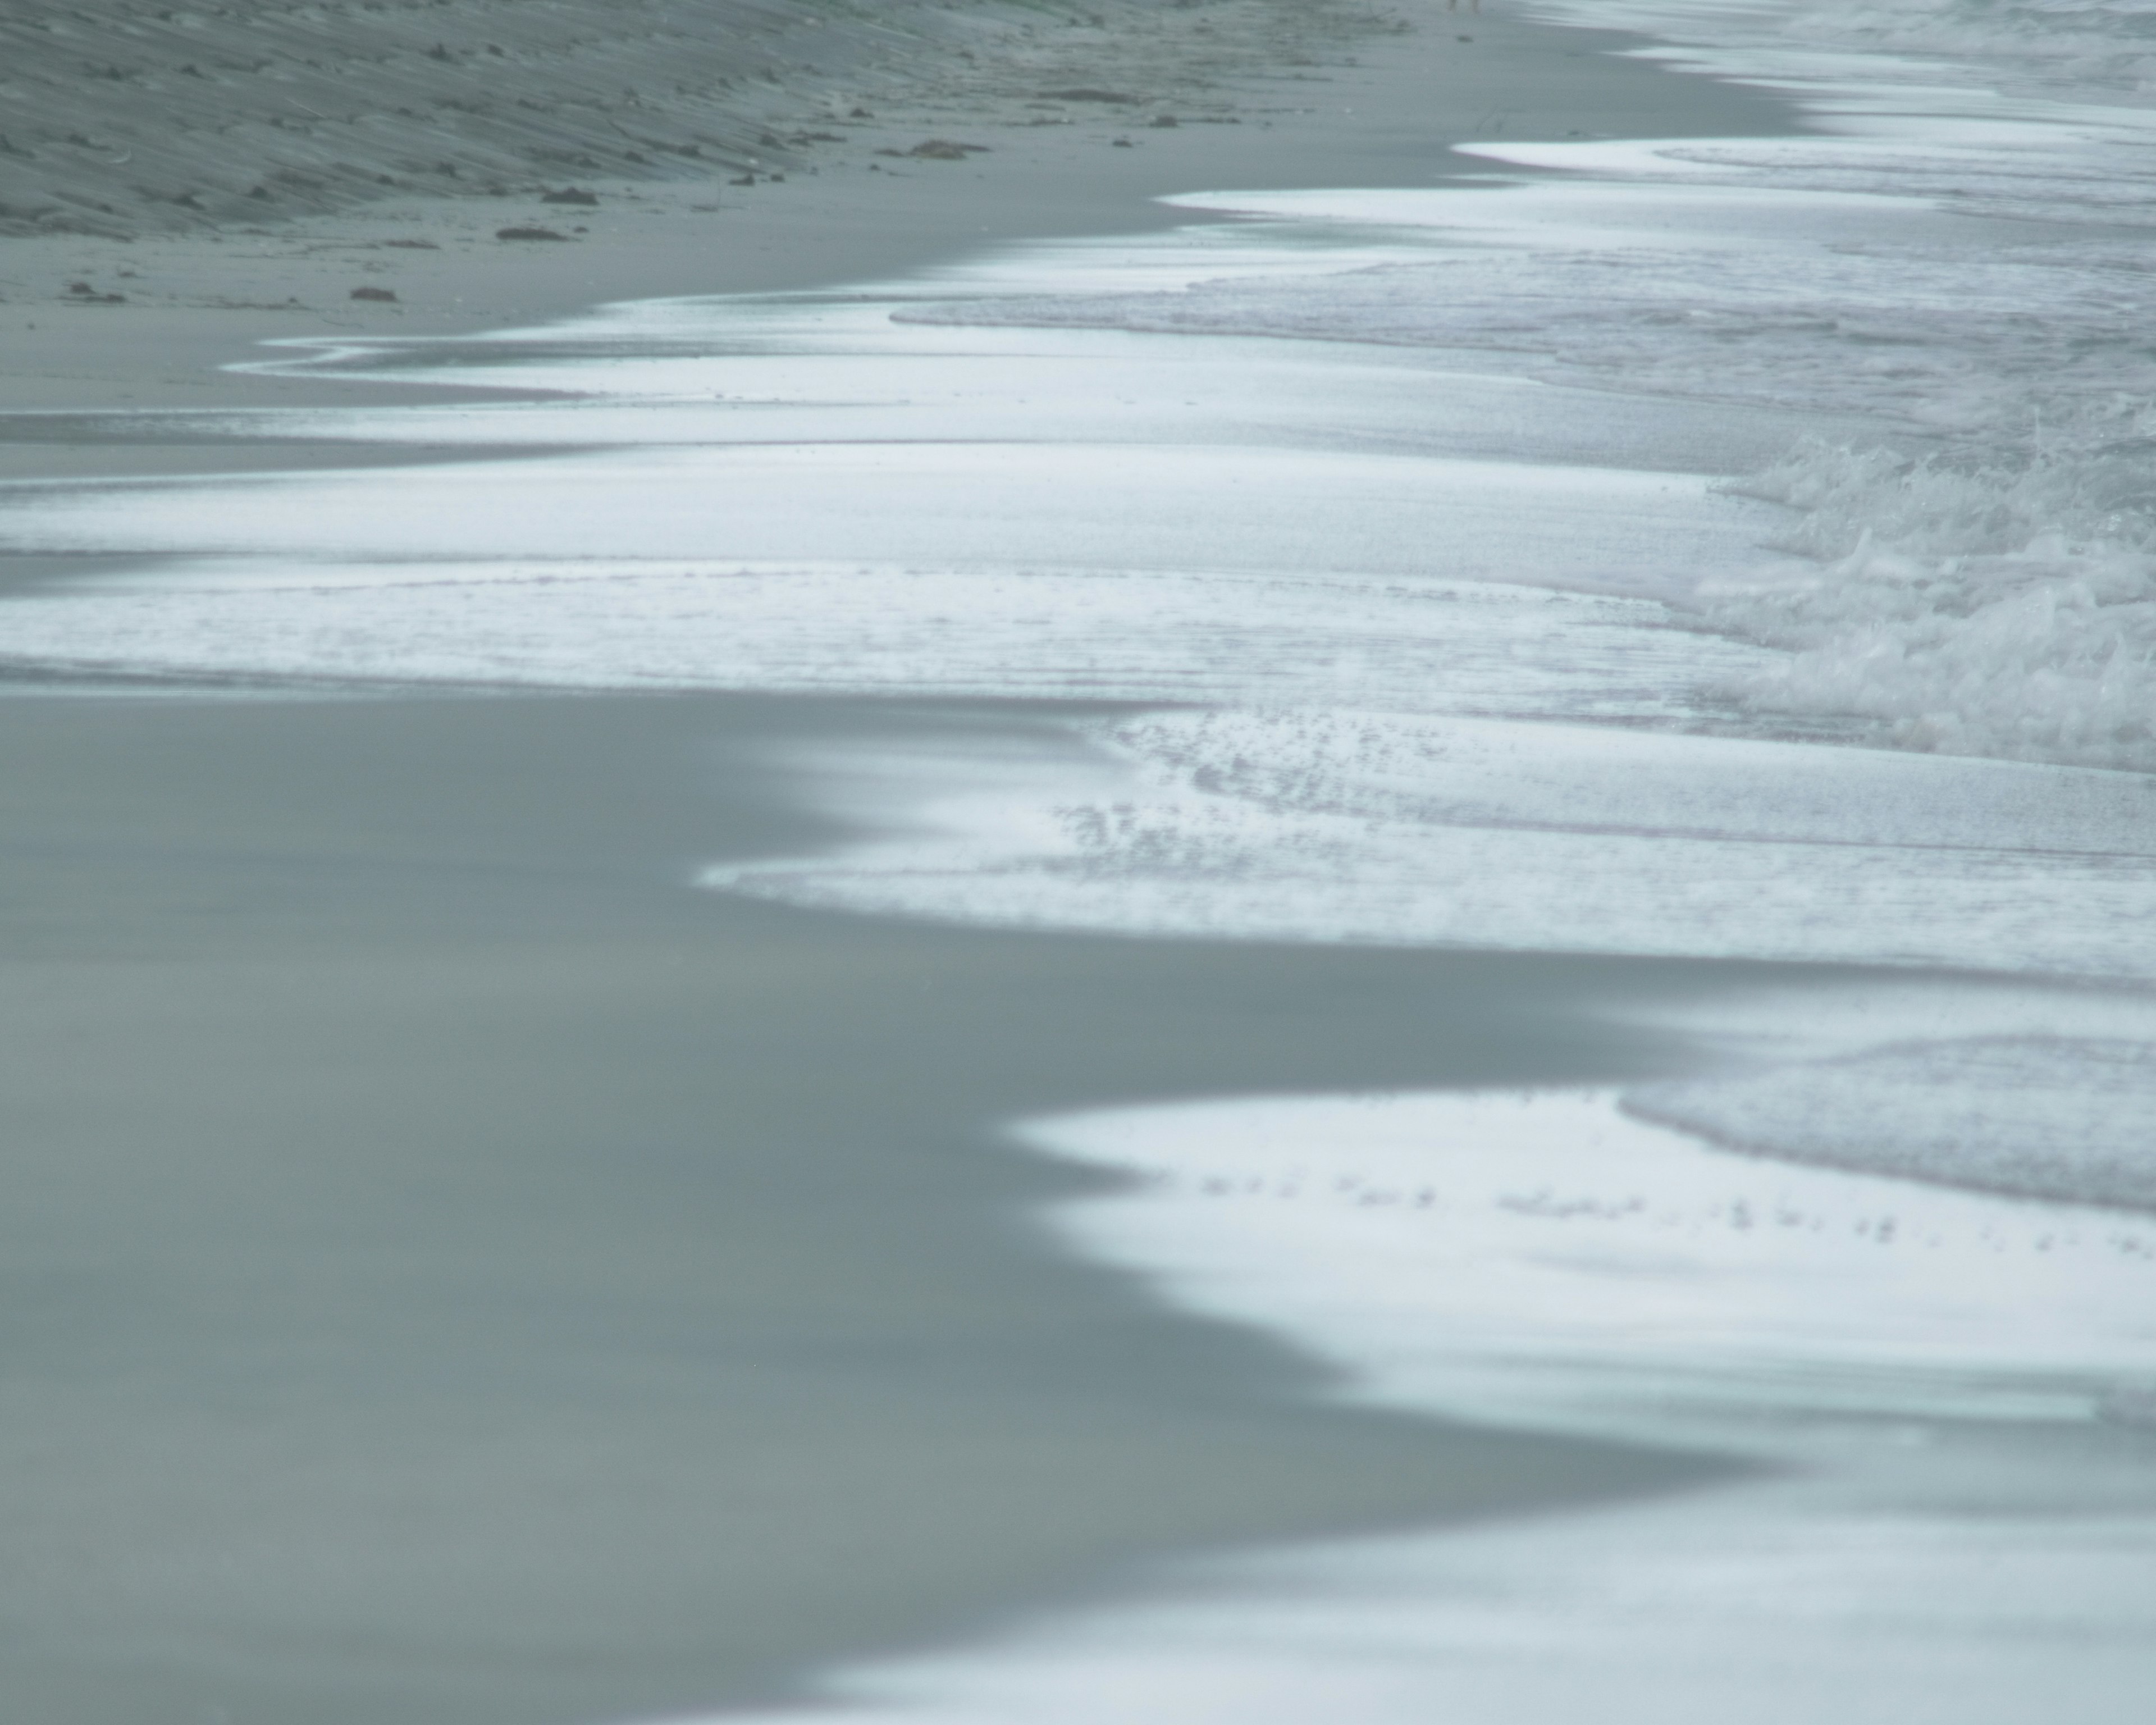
{"x":118,"y":118}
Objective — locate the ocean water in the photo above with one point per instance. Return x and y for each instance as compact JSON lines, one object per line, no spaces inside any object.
{"x":1987,"y":589}
{"x":1732,"y":548}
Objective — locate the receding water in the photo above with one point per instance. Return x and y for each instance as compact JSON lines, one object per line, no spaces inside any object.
{"x":1734,"y":551}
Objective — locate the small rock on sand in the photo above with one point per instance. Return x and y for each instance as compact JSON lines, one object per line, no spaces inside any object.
{"x":381,"y":294}
{"x":528,"y":234}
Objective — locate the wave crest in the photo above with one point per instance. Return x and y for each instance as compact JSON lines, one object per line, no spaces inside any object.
{"x":1982,"y":607}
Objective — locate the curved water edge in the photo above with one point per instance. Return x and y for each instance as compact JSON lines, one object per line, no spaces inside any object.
{"x":1724,"y":549}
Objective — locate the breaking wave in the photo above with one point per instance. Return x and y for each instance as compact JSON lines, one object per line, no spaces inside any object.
{"x":1971,"y":606}
{"x":1946,"y":276}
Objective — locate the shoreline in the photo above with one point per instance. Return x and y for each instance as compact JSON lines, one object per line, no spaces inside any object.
{"x":198,"y":304}
{"x":487,"y":1277}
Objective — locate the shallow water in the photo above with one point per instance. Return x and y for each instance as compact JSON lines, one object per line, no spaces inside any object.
{"x":1729,"y":550}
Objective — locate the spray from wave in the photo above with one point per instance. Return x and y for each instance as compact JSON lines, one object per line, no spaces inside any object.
{"x":1983,"y":606}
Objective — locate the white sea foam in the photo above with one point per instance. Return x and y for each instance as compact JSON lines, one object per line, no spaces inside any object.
{"x":825,"y":502}
{"x":2049,"y":1117}
{"x":1980,"y":582}
{"x":1979,"y":608}
{"x":1972,"y":574}
{"x":1227,"y":635}
{"x":1952,"y":259}
{"x":1545,"y":1257}
{"x":1411,"y":488}
{"x":2006,"y":534}
{"x":1392,"y":828}
{"x":1496,"y":1256}
{"x":879,"y":493}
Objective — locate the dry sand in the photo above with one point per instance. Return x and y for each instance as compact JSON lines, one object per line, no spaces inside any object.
{"x":457,"y":1272}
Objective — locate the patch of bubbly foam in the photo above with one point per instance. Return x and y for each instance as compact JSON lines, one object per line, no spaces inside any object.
{"x":1953,"y":258}
{"x":1975,"y":606}
{"x":2046,"y":1117}
{"x":1546,"y":1255}
{"x":1997,"y":596}
{"x":1700,"y":294}
{"x":1038,"y":634}
{"x":1336,"y":825}
{"x":1922,"y":1358}
{"x":1994,"y":596}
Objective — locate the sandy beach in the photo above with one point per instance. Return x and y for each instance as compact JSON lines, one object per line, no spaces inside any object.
{"x":478,"y":1277}
{"x":1263,"y":94}
{"x":467,"y":1271}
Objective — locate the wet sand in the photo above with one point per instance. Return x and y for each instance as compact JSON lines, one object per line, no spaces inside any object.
{"x":462,"y":1272}
{"x":1369,"y":111}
